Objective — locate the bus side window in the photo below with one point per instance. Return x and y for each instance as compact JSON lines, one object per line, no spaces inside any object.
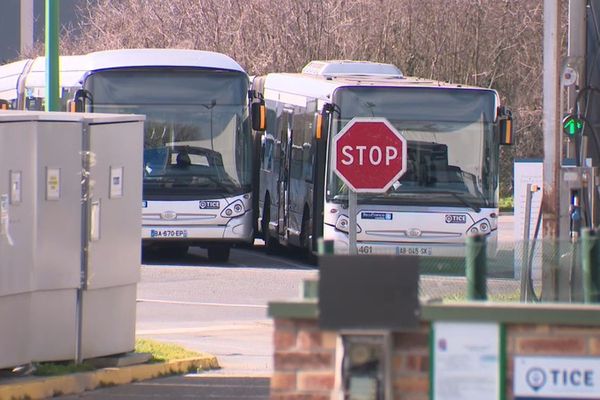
{"x":297,"y":145}
{"x":267,"y":151}
{"x":270,"y":138}
{"x":308,"y":141}
{"x":281,"y":142}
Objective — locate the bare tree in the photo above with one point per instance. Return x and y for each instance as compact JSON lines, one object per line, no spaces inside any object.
{"x":489,"y":43}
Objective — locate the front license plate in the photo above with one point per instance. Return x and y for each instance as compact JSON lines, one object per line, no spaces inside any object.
{"x":394,"y":250}
{"x":413,"y":251}
{"x":168,"y":233}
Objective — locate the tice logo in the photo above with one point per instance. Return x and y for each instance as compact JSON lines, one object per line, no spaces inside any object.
{"x":536,"y":378}
{"x":456,"y":219}
{"x":209,"y":204}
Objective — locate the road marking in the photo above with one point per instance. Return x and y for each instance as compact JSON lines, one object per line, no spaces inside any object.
{"x":276,"y":259}
{"x":231,"y":329}
{"x":194,"y":303}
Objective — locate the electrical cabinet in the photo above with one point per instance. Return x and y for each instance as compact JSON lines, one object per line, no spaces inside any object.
{"x":70,"y":234}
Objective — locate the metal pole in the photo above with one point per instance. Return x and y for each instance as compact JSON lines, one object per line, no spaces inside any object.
{"x":352,"y":206}
{"x":552,"y":140}
{"x":476,"y":267}
{"x":26,"y":22}
{"x":52,"y":67}
{"x":525,"y":271}
{"x":576,"y":46}
{"x":589,"y":261}
{"x":85,"y":239}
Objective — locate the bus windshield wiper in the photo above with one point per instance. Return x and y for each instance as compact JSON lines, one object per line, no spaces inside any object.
{"x":459,"y":197}
{"x":418,"y":193}
{"x":224,"y":184}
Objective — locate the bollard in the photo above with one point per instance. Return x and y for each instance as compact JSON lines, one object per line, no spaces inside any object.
{"x":310,"y":289}
{"x":324,"y":246}
{"x":476,"y":267}
{"x":589,"y":264}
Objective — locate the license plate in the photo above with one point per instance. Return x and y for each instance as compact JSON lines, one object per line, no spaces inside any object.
{"x":168,"y":233}
{"x":413,"y":251}
{"x":394,"y":250}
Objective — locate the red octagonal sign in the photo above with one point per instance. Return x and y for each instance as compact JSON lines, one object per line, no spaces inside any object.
{"x":370,"y":155}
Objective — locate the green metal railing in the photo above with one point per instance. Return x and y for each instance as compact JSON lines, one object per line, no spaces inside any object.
{"x":520,"y":271}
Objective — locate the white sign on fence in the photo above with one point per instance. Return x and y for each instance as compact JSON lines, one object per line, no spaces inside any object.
{"x":466,"y":361}
{"x":556,"y":378}
{"x":527,"y":172}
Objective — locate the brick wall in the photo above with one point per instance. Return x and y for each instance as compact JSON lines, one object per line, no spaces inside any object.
{"x":304,"y":361}
{"x":304,"y":367}
{"x":410,"y":363}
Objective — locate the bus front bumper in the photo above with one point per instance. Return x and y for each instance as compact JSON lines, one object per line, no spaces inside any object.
{"x":236,"y":230}
{"x":455,"y":249}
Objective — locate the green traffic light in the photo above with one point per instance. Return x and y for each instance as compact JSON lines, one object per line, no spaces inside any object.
{"x":572,"y":126}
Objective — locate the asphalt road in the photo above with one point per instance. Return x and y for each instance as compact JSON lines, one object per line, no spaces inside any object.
{"x":184,"y":387}
{"x":219,"y":308}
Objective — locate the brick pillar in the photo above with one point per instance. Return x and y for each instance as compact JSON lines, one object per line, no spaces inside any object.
{"x":304,"y":361}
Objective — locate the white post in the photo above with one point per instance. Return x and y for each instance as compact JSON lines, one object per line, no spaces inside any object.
{"x":352,"y":206}
{"x":552,"y":140}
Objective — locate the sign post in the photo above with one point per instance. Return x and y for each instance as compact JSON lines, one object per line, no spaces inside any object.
{"x":352,"y":207}
{"x":370,"y":155}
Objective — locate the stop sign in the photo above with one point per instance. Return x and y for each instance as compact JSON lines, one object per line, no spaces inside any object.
{"x":370,"y":155}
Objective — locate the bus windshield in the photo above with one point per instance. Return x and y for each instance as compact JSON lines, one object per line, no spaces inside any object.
{"x":452,"y":150}
{"x":196,"y":134}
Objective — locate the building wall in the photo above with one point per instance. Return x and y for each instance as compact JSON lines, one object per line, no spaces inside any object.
{"x":305,"y":356}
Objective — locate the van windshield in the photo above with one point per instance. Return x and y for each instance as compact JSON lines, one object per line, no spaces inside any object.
{"x":450,"y":136}
{"x":196,"y":134}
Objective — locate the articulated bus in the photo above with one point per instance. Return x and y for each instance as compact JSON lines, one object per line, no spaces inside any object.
{"x":449,"y":190}
{"x":197,"y":168}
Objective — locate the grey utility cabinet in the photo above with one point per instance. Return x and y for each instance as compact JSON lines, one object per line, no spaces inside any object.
{"x":70,"y":205}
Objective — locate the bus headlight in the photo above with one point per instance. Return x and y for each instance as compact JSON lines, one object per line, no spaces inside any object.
{"x":235,"y":209}
{"x":481,"y":226}
{"x":343,"y":224}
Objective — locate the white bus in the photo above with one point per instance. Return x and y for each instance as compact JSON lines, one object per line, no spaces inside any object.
{"x":450,"y":188}
{"x":197,"y":168}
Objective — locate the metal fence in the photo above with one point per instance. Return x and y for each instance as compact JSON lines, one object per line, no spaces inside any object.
{"x":534,"y":271}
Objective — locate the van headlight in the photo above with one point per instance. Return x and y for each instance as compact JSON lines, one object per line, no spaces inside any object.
{"x":482,"y":226}
{"x":343,"y":224}
{"x":233,"y":210}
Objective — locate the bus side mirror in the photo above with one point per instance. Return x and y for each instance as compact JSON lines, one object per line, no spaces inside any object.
{"x":319,"y":126}
{"x":505,"y":126}
{"x":259,"y":115}
{"x":80,"y":100}
{"x":328,"y":108}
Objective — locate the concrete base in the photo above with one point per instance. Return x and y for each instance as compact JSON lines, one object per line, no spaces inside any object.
{"x":15,"y":330}
{"x":53,"y":325}
{"x":124,"y":360}
{"x":108,"y":321}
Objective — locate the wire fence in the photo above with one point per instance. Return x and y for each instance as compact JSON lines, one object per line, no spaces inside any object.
{"x":541,"y":271}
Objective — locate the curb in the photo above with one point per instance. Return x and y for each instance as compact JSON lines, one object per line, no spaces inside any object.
{"x":47,"y":387}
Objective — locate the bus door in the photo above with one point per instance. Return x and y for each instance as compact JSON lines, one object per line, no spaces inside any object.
{"x":284,"y":172}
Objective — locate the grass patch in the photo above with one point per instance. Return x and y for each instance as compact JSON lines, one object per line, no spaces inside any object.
{"x":163,"y":351}
{"x":506,"y":204}
{"x":61,"y":368}
{"x":513,"y":297}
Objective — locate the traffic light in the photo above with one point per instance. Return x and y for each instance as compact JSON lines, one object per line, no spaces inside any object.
{"x":572,"y":125}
